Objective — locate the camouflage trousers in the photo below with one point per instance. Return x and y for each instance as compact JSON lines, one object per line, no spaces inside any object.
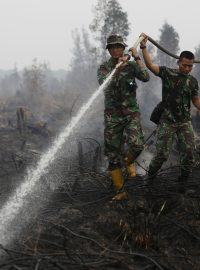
{"x":122,"y":135}
{"x":186,"y":146}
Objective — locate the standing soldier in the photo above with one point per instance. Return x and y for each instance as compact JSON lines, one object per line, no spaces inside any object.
{"x":121,"y":115}
{"x":179,"y":88}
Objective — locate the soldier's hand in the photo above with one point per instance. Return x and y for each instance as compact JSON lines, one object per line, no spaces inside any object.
{"x":144,"y":41}
{"x":123,"y":59}
{"x":134,"y":52}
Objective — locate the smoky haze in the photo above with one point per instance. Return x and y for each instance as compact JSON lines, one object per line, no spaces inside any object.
{"x":42,"y":29}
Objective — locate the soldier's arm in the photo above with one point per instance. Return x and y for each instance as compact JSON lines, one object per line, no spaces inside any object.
{"x":141,"y":70}
{"x":196,"y":102}
{"x":147,"y":59}
{"x":135,"y":55}
{"x":102,"y":74}
{"x":142,"y":74}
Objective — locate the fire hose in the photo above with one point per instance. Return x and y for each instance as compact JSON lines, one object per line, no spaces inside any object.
{"x":165,"y":50}
{"x":157,"y":45}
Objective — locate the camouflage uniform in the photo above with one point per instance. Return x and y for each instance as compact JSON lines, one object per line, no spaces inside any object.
{"x":121,"y":115}
{"x":177,"y":91}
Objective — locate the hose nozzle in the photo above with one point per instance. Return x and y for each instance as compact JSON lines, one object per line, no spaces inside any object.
{"x":137,"y":42}
{"x":129,"y":54}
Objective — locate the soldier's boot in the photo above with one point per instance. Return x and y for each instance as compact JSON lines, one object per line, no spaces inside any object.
{"x":131,"y":170}
{"x":130,"y":166}
{"x":118,"y":182}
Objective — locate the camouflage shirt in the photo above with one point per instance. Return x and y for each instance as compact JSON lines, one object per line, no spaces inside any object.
{"x":120,"y":94}
{"x":178,"y":89}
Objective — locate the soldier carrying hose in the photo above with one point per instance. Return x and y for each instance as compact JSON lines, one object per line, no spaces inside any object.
{"x":121,"y":115}
{"x":179,"y":88}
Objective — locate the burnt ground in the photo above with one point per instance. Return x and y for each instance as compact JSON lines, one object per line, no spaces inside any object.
{"x":82,"y":228}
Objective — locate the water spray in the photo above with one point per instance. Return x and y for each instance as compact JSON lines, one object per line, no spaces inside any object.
{"x":20,"y":198}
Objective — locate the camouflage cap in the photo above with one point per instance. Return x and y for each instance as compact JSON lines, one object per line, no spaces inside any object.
{"x":115,"y":39}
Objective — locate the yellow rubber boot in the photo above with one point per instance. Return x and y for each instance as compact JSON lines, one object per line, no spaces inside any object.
{"x":118,"y":182}
{"x":131,"y":170}
{"x":130,"y":166}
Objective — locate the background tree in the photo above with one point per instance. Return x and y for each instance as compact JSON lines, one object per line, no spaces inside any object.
{"x":169,"y":39}
{"x":81,"y":79}
{"x":32,"y":91}
{"x":83,"y":53}
{"x":109,"y":18}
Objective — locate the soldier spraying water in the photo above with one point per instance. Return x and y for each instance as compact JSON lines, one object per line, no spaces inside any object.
{"x":121,"y":115}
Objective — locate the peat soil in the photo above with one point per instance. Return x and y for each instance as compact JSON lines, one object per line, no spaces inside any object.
{"x":157,"y":227}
